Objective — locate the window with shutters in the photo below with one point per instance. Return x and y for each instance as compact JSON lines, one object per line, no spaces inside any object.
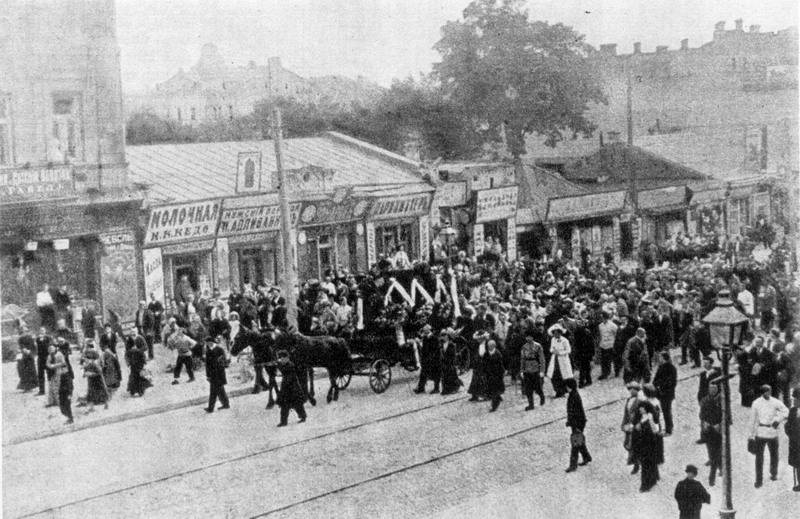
{"x":67,"y":128}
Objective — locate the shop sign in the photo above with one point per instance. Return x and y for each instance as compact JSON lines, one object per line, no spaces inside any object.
{"x":119,"y":241}
{"x":511,"y":239}
{"x":450,"y":194}
{"x":496,"y":204}
{"x":371,"y":253}
{"x":424,"y":238}
{"x":188,"y":247}
{"x":328,"y":211}
{"x":118,"y":278}
{"x":153,"y":264}
{"x":477,"y":239}
{"x":27,"y":184}
{"x":192,"y":221}
{"x":399,"y":207}
{"x":247,"y":220}
{"x":223,"y":267}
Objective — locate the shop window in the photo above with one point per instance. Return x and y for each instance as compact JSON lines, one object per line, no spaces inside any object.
{"x":249,"y":173}
{"x":66,"y":126}
{"x":738,"y":216}
{"x":389,"y":238}
{"x":494,"y":232}
{"x":324,"y":253}
{"x":251,"y":267}
{"x":6,"y":153}
{"x":193,"y":114}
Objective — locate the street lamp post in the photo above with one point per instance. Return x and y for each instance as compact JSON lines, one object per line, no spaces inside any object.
{"x":726,"y":326}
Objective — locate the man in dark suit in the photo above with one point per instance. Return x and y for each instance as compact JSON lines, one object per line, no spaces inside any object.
{"x":43,"y":342}
{"x":146,"y":326}
{"x":279,"y":319}
{"x":215,"y":372}
{"x":109,"y":338}
{"x":157,"y":309}
{"x":664,"y":338}
{"x":665,"y":380}
{"x":576,"y":420}
{"x":431,"y":360}
{"x":702,"y":387}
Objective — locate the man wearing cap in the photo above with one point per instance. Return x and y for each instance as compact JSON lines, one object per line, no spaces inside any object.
{"x":768,"y":414}
{"x":183,"y":345}
{"x":607,"y":333}
{"x":690,"y":495}
{"x":630,"y":417}
{"x":431,"y":360}
{"x":291,"y":394}
{"x":494,"y":370}
{"x":532,"y":369}
{"x":215,"y":372}
{"x":710,"y":426}
{"x":635,"y":359}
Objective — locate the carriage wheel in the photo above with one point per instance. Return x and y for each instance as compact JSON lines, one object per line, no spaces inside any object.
{"x":380,"y":376}
{"x":462,"y":359}
{"x":342,"y":381}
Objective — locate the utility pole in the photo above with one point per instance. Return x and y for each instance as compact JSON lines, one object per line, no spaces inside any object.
{"x":629,"y":116}
{"x":289,"y":276}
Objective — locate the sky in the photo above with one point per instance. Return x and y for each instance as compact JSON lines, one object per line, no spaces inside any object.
{"x":386,"y":39}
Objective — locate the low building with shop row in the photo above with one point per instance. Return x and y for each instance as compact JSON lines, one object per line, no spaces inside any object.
{"x":213,"y":219}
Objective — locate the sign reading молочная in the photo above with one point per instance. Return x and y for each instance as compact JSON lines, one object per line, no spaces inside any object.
{"x":192,"y":221}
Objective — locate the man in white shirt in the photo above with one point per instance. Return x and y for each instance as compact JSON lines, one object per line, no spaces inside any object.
{"x":768,"y":414}
{"x":608,"y":335}
{"x":746,"y":298}
{"x":47,"y":312}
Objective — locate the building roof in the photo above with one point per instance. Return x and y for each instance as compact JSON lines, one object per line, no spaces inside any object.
{"x":581,"y":207}
{"x":183,"y":172}
{"x":662,"y":199}
{"x":536,"y":187}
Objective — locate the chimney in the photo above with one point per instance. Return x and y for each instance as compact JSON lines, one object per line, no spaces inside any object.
{"x":755,"y":28}
{"x":637,"y":47}
{"x":739,"y":24}
{"x":685,"y":44}
{"x":661,"y":49}
{"x":609,"y":49}
{"x":719,"y":26}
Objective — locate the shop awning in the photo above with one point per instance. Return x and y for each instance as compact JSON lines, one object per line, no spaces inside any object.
{"x":582,"y":207}
{"x":662,"y":200}
{"x":708,"y":197}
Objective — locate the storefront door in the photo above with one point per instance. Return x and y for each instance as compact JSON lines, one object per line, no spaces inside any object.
{"x":185,"y":267}
{"x":251,"y":267}
{"x":625,"y":240}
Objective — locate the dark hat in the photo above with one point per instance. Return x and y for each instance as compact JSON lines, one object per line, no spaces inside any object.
{"x":92,"y":354}
{"x":282,"y":354}
{"x":796,"y":392}
{"x":765,"y":388}
{"x":691,"y":468}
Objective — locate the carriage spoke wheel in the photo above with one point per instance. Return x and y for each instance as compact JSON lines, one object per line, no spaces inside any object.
{"x":342,"y":381}
{"x":380,"y":375}
{"x":462,"y":360}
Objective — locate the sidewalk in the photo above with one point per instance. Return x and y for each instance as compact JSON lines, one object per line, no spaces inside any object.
{"x":25,"y":417}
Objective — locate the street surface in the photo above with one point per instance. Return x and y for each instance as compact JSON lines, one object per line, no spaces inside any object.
{"x":392,"y":455}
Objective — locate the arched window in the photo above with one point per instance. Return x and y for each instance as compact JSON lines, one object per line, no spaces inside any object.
{"x":249,"y":173}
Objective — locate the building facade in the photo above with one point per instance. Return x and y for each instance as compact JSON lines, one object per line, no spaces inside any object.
{"x":214,"y":90}
{"x":68,"y":218}
{"x":213,"y":220}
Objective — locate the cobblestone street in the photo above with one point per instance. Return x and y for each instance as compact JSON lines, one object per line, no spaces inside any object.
{"x":397,"y":454}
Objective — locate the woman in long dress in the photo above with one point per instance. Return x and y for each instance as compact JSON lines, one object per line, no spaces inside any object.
{"x":450,"y":381}
{"x":645,"y":444}
{"x":55,"y":360}
{"x":96,"y":392}
{"x":112,"y":373}
{"x":560,"y":367}
{"x":26,"y":369}
{"x":137,"y":384}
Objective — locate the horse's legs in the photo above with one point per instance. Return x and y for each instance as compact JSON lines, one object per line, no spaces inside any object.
{"x":271,"y":384}
{"x":311,"y":399}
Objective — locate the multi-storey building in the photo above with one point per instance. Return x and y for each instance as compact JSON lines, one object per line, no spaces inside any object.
{"x":213,"y":90}
{"x":67,"y":215}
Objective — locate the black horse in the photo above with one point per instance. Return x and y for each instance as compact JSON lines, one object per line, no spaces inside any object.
{"x":305,"y":352}
{"x":263,"y":356}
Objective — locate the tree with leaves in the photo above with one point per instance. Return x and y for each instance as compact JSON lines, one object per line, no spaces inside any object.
{"x":517,"y":76}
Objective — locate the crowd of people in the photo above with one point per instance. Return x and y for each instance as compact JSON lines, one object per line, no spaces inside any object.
{"x":530,"y":321}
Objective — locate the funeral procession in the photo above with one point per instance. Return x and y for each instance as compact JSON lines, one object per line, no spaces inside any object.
{"x":441,"y":259}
